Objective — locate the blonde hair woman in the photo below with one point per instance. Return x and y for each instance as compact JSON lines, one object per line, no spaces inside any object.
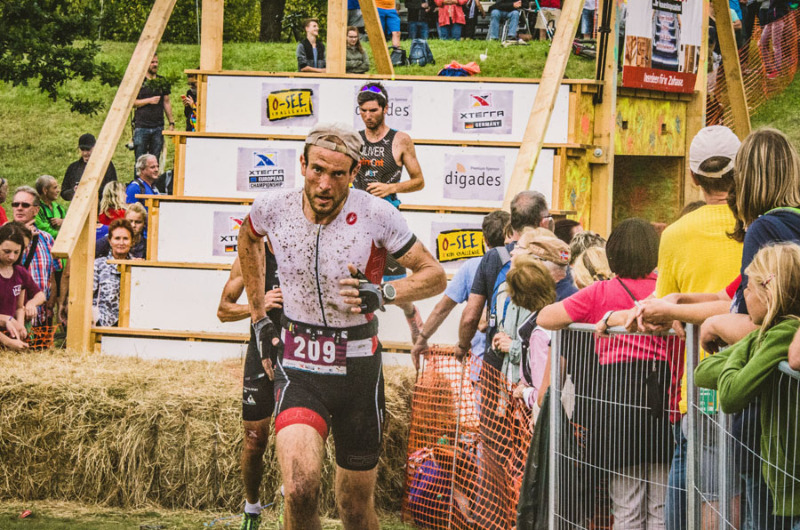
{"x":112,"y":205}
{"x":591,"y":266}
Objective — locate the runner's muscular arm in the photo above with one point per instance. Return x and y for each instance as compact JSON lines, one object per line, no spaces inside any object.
{"x":428,"y":278}
{"x":229,"y":310}
{"x":408,"y":157}
{"x":253,"y":266}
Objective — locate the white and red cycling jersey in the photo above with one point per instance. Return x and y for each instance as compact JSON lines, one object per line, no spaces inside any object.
{"x":312,"y":258}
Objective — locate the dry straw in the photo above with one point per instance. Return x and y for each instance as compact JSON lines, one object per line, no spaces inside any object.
{"x":127,"y":432}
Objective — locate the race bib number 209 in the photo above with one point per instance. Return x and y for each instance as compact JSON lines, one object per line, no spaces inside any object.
{"x":321,"y":354}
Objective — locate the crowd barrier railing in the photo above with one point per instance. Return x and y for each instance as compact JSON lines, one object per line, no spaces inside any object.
{"x":746,"y":471}
{"x":613,"y":407}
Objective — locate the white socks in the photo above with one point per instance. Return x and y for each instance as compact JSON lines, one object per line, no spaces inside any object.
{"x":255,"y":509}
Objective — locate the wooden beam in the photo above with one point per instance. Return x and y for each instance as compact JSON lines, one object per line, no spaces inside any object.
{"x":86,"y":195}
{"x":372,"y":23}
{"x":539,"y":119}
{"x":79,"y":305}
{"x":211,"y":35}
{"x":336,"y":47}
{"x":733,"y":69}
{"x":696,"y":111}
{"x":77,"y":235}
{"x":605,"y":116}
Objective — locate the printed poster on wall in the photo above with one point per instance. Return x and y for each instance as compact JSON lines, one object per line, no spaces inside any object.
{"x":483,"y":111}
{"x":456,"y":241}
{"x":226,"y":233}
{"x":474,"y":177}
{"x":398,"y":109}
{"x":293,"y":104}
{"x":265,"y":169}
{"x":662,"y":44}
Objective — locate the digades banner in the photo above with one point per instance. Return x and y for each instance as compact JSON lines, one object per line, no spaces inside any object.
{"x":662,"y":44}
{"x":483,"y":111}
{"x":289,"y":104}
{"x":264,"y":169}
{"x":474,"y":177}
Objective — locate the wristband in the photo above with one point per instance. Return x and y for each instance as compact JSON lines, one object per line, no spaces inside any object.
{"x":605,"y":318}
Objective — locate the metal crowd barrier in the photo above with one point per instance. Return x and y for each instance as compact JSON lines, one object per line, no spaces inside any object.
{"x":734,"y":483}
{"x":612,"y":438}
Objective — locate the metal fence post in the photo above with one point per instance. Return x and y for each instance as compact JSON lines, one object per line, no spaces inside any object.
{"x":691,"y":426}
{"x":555,"y":424}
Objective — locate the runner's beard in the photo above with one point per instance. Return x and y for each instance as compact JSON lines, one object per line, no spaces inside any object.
{"x":321,"y":211}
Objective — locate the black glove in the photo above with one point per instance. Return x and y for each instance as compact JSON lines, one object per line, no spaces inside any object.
{"x":265,"y":334}
{"x":370,"y":294}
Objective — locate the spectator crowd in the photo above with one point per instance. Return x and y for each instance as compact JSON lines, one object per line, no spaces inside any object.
{"x":730,"y":264}
{"x":33,"y":284}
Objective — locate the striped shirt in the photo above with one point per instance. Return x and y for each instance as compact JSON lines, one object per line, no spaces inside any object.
{"x":41,"y":268}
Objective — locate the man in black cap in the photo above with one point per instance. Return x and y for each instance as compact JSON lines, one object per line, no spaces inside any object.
{"x":75,"y":170}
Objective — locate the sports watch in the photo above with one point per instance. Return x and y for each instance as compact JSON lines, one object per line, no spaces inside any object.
{"x":389,"y":292}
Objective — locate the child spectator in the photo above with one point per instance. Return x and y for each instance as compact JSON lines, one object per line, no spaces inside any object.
{"x":357,"y":58}
{"x":530,"y":286}
{"x":451,"y":18}
{"x":748,"y":370}
{"x":634,"y":438}
{"x":547,"y":18}
{"x":16,"y":285}
{"x":310,"y":51}
{"x":105,"y":293}
{"x":587,"y":18}
{"x":51,"y":214}
{"x":113,"y":205}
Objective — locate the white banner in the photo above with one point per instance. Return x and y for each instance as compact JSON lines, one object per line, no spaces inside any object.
{"x":474,"y":177}
{"x":483,"y":111}
{"x":265,"y":169}
{"x":226,"y":233}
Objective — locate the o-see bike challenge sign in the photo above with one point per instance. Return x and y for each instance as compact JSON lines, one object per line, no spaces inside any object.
{"x":662,"y":44}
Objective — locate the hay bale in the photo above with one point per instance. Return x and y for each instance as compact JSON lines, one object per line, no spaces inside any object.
{"x":127,"y":432}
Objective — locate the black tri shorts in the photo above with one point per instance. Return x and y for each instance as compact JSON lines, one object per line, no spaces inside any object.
{"x":351,"y":406}
{"x":258,"y":392}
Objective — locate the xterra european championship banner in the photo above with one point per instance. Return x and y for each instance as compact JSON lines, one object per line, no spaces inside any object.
{"x":662,"y":44}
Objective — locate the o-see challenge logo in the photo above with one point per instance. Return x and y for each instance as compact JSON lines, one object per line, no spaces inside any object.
{"x":265,"y":169}
{"x":474,"y":177}
{"x":487,"y":111}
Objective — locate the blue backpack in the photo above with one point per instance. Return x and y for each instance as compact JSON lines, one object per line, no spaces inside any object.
{"x":420,"y":53}
{"x":500,"y":300}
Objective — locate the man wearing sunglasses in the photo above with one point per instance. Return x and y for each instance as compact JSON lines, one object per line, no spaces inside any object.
{"x":41,"y":264}
{"x":384,"y":154}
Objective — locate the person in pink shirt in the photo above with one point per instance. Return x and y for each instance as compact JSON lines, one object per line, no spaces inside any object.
{"x":634,"y":380}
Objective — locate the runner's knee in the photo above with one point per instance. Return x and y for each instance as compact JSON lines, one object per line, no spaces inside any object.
{"x":302,"y":493}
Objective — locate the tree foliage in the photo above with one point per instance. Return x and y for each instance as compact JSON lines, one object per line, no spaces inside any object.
{"x":37,"y":41}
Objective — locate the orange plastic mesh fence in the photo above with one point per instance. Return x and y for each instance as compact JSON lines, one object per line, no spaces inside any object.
{"x":467,"y":446}
{"x":41,"y":337}
{"x":769,"y":63}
